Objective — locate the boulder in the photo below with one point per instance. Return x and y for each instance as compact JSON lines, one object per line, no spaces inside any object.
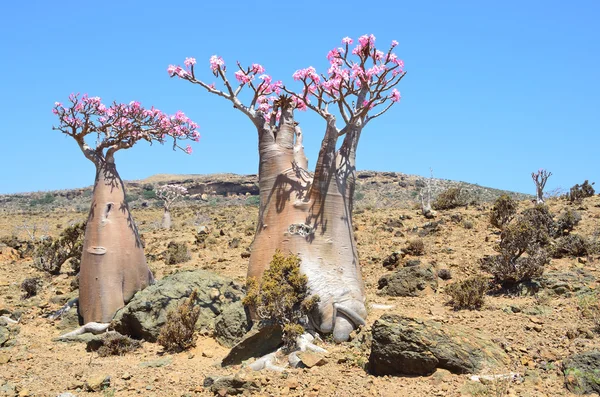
{"x":409,"y":281}
{"x":231,"y":325}
{"x":582,"y":372}
{"x":574,"y":282}
{"x":146,"y":313}
{"x":231,"y":385}
{"x":410,"y":346}
{"x":262,"y":339}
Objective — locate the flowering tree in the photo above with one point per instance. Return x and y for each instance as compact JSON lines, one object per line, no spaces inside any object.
{"x":169,"y":194}
{"x":113,"y":265}
{"x":540,"y":178}
{"x":310,"y":214}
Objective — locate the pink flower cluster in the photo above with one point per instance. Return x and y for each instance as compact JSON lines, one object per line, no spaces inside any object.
{"x":374,"y":68}
{"x":122,"y":121}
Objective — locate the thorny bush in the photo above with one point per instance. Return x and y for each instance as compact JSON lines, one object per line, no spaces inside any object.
{"x":50,"y":254}
{"x":178,"y":332}
{"x":469,"y":293}
{"x":503,"y":211}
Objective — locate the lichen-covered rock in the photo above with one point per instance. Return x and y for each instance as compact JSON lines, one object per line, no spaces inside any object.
{"x":582,"y":372}
{"x":231,"y":325}
{"x":262,"y":339}
{"x":568,"y":283}
{"x":409,"y":281}
{"x":409,"y":346}
{"x":231,"y":385}
{"x":146,"y":313}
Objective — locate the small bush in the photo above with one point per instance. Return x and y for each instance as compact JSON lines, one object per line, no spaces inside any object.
{"x":444,"y":274}
{"x":572,"y":245}
{"x":50,"y":254}
{"x":467,"y":224}
{"x":30,"y":287}
{"x":589,"y":307}
{"x":48,"y":198}
{"x":579,"y":192}
{"x":282,"y":296}
{"x":448,"y":199}
{"x":176,"y":253}
{"x":415,"y":247}
{"x":503,"y":211}
{"x":469,"y":293}
{"x":115,"y":344}
{"x":178,"y":332}
{"x":509,"y":271}
{"x":566,"y":222}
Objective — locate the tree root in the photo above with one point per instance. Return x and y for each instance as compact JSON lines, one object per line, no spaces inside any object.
{"x":269,"y":361}
{"x":92,"y":327}
{"x":60,"y":312}
{"x":8,"y":320}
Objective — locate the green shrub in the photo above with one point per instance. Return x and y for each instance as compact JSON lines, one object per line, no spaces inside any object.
{"x":148,"y":194}
{"x":579,"y":192}
{"x":540,"y":219}
{"x":176,"y":253}
{"x":469,"y":293}
{"x":448,"y":199}
{"x":503,"y":211}
{"x":48,"y":198}
{"x":178,"y":332}
{"x":253,"y":201}
{"x":282,"y":296}
{"x":50,"y":254}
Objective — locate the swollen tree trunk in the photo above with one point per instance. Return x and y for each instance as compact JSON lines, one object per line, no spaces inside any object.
{"x":311,"y":217}
{"x":166,"y":219}
{"x":113,"y":265}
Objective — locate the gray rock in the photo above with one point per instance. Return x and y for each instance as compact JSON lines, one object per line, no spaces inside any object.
{"x":582,"y":372}
{"x":146,"y":313}
{"x":408,"y":281}
{"x":231,"y":325}
{"x":575,"y":282}
{"x":8,"y":335}
{"x":409,"y":346}
{"x":260,"y":340}
{"x":231,"y":385}
{"x":161,"y":362}
{"x":393,"y":260}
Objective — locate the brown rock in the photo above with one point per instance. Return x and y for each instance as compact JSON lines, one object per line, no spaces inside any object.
{"x":312,"y":359}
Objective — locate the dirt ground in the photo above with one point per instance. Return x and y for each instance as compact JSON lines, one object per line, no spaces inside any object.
{"x":534,"y":334}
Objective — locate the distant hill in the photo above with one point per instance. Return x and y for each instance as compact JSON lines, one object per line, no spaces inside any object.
{"x":374,"y":189}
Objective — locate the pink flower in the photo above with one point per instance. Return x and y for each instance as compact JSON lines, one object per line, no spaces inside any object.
{"x":257,"y":68}
{"x":379,"y":55}
{"x":189,"y":62}
{"x":266,"y":78}
{"x":171,"y":70}
{"x":242,"y":77}
{"x":216,"y":62}
{"x":394,"y":43}
{"x":188,"y":149}
{"x":395,"y":97}
{"x":347,"y":40}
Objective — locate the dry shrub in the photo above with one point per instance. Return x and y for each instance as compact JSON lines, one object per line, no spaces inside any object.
{"x":579,"y":192}
{"x":572,"y":245}
{"x":282,"y":296}
{"x":509,"y":270}
{"x":541,"y":220}
{"x":178,"y":332}
{"x":50,"y":254}
{"x":566,"y":222}
{"x":503,"y":211}
{"x":176,"y":253}
{"x":448,"y":199}
{"x":115,"y":344}
{"x":30,"y":286}
{"x":469,"y":293}
{"x":415,"y":247}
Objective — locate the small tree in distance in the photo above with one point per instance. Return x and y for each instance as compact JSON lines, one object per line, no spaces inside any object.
{"x":169,"y":194}
{"x":540,"y":178}
{"x":310,"y":214}
{"x":113,"y":265}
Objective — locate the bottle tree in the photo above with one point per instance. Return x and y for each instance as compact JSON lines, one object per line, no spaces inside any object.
{"x":113,"y":265}
{"x":169,"y":194}
{"x":304,"y":213}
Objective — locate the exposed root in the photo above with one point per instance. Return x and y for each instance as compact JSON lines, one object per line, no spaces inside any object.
{"x":269,"y":362}
{"x":8,"y":320}
{"x":60,"y":312}
{"x":351,"y":314}
{"x":379,"y":306}
{"x":511,"y":375}
{"x":94,"y":328}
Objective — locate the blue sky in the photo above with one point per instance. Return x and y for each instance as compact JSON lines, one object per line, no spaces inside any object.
{"x":494,"y":90}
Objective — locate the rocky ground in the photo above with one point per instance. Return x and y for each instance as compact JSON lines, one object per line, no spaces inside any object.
{"x":532,"y":334}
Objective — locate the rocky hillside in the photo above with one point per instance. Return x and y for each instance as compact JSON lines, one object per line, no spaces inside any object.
{"x":374,"y":190}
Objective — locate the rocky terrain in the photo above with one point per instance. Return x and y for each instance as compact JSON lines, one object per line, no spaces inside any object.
{"x":532,"y":340}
